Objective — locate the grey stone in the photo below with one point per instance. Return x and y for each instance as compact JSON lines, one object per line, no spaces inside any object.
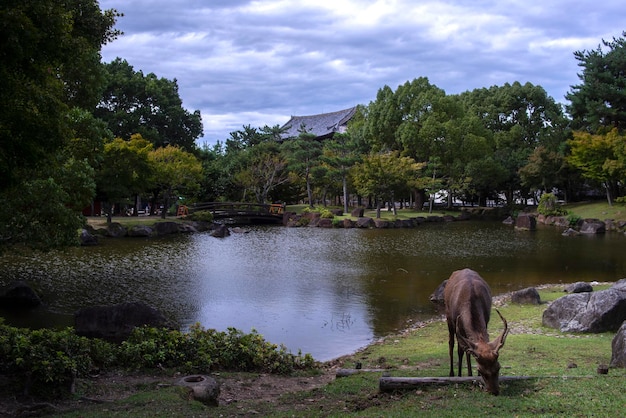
{"x":528,"y":296}
{"x":618,"y":347}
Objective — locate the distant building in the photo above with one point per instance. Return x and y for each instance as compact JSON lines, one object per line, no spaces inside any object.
{"x":323,"y":126}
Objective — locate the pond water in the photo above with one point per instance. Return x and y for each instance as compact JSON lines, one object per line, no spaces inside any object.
{"x":326,"y":292}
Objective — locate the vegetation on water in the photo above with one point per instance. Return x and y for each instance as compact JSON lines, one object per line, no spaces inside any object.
{"x":562,"y":370}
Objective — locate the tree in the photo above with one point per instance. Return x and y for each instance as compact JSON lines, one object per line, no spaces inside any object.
{"x":382,"y":175}
{"x":303,"y":155}
{"x":265,"y":170}
{"x":339,"y":154}
{"x":600,"y":100}
{"x":600,"y":158}
{"x":49,"y":63}
{"x":125,"y":172}
{"x":150,"y":106}
{"x":176,"y":173}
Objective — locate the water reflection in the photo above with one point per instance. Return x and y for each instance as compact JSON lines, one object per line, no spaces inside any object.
{"x":324,"y":291}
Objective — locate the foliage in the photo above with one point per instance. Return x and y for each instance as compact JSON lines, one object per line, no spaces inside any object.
{"x":45,"y":359}
{"x":549,"y":206}
{"x":303,"y":155}
{"x":201,"y":216}
{"x":573,"y":220}
{"x":599,"y":102}
{"x":147,"y":105}
{"x":50,"y":63}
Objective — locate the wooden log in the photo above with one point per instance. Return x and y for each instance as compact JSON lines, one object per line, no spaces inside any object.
{"x":388,"y":384}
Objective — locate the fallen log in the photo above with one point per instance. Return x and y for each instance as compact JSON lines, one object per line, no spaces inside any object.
{"x":388,"y":384}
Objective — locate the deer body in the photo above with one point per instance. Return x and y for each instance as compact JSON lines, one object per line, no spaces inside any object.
{"x":467,"y":300}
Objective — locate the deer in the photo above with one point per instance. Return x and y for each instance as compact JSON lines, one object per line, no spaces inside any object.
{"x":467,"y":300}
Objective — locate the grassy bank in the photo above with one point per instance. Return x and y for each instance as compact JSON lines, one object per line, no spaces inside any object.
{"x":562,"y":366}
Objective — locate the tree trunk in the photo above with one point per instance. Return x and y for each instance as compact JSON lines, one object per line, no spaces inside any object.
{"x":345,"y":194}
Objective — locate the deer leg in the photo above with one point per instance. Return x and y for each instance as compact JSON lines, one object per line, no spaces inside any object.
{"x":451,"y":332}
{"x":460,"y":351}
{"x":469,"y":364}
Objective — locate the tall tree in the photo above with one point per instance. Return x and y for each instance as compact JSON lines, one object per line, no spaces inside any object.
{"x":340,"y":154}
{"x":150,"y":106}
{"x":600,"y":100}
{"x":303,"y":155}
{"x":49,"y":63}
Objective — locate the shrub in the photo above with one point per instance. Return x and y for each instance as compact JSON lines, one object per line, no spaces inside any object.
{"x":549,"y":206}
{"x":201,"y":216}
{"x":573,"y":220}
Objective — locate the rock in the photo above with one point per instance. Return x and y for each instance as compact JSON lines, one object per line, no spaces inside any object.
{"x":579,"y":287}
{"x":166,"y":228}
{"x":570,"y":232}
{"x":220,"y":231}
{"x":201,"y":388}
{"x":509,"y":221}
{"x":525,"y":222}
{"x":337,"y":212}
{"x":381,"y":223}
{"x":87,"y":238}
{"x":116,"y":322}
{"x":140,"y":231}
{"x":116,"y":230}
{"x":325,"y":223}
{"x":593,"y":226}
{"x":365,"y":223}
{"x":357,"y":212}
{"x":528,"y":296}
{"x":19,"y":295}
{"x":348,"y":223}
{"x":437,"y":296}
{"x":618,"y":346}
{"x":600,"y":311}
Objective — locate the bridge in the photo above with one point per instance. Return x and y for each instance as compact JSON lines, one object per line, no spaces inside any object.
{"x":241,"y":213}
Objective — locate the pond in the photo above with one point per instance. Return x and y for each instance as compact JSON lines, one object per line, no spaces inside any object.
{"x":327,"y":292}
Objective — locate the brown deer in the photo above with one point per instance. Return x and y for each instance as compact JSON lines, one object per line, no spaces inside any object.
{"x":467,"y":300}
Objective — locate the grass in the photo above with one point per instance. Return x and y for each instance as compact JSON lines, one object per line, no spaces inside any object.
{"x":562,"y":366}
{"x":598,"y":210}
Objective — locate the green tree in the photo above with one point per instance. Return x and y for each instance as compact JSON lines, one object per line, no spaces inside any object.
{"x":49,"y":63}
{"x":177,"y":173}
{"x":601,"y":158}
{"x":265,"y":170}
{"x":150,"y":106}
{"x":340,"y":154}
{"x":303,"y":155}
{"x":600,"y":100}
{"x":382,"y":175}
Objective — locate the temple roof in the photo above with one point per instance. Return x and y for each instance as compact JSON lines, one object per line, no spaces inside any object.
{"x":322,"y":126}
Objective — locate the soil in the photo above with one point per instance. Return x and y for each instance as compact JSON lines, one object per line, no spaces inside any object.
{"x":103,"y":389}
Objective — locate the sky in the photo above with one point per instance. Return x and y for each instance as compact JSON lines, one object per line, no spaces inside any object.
{"x":257,"y":63}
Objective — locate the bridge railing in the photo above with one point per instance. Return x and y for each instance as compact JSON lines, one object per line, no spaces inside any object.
{"x":234,"y":209}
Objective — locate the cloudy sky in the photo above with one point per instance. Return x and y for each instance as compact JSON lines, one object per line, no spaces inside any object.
{"x":256,"y":63}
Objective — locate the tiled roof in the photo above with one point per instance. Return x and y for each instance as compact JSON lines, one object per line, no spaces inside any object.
{"x":321,"y":125}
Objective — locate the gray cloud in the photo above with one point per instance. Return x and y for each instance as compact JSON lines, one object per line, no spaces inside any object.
{"x":259,"y":62}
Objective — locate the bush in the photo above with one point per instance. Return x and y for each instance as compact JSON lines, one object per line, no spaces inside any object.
{"x":46,"y":362}
{"x":201,"y":216}
{"x":549,"y":206}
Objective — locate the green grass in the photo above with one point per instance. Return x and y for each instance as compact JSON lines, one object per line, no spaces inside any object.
{"x":598,"y":210}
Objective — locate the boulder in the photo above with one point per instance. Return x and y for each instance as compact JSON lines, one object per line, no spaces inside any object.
{"x":592,"y":226}
{"x":570,"y":232}
{"x":600,"y":311}
{"x":220,"y":231}
{"x":204,"y":389}
{"x":509,"y":221}
{"x":337,"y":212}
{"x":381,"y":223}
{"x":140,"y":231}
{"x":348,"y":223}
{"x":618,"y":346}
{"x":166,"y":228}
{"x":579,"y":287}
{"x":365,"y":222}
{"x":116,"y":322}
{"x":357,"y":212}
{"x":525,"y":222}
{"x":116,"y":230}
{"x":325,"y":223}
{"x":87,"y":238}
{"x":528,"y":296}
{"x":19,"y":295}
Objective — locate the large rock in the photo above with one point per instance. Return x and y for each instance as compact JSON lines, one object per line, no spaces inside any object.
{"x":525,"y":222}
{"x":166,"y":228}
{"x":116,"y":230}
{"x":528,"y":296}
{"x":357,"y":212}
{"x":19,"y":295}
{"x":593,"y":226}
{"x":87,"y":238}
{"x":220,"y":231}
{"x":116,"y":322}
{"x":365,"y":222}
{"x":618,"y":346}
{"x":579,"y":287}
{"x":140,"y":231}
{"x":588,"y":312}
